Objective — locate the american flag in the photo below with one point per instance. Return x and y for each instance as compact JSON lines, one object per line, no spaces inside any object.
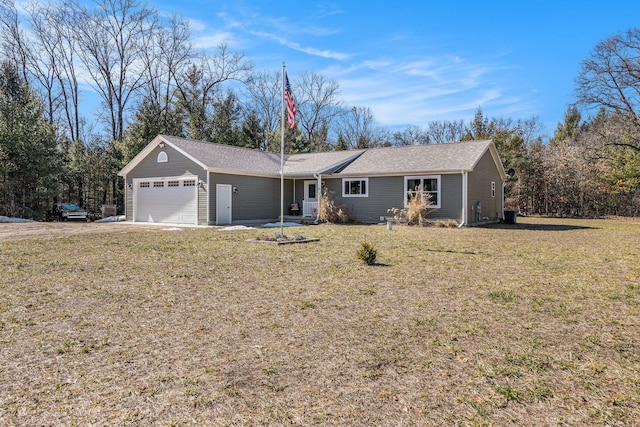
{"x":291,"y":105}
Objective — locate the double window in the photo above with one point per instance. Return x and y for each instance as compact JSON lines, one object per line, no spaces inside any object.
{"x":422,"y":186}
{"x":355,"y":187}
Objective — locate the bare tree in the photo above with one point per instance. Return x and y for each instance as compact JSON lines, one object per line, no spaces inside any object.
{"x":200,"y":87}
{"x":111,"y":43}
{"x":53,"y":63}
{"x":442,"y":131}
{"x":13,"y":41}
{"x":357,"y":127}
{"x":317,"y":105}
{"x":265,"y":101}
{"x":165,"y":58}
{"x":411,"y":135}
{"x":610,"y":78}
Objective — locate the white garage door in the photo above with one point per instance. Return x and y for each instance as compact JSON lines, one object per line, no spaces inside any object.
{"x":172,"y":201}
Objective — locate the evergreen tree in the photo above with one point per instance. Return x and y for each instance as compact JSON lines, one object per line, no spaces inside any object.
{"x":225,"y":124}
{"x":253,"y":135}
{"x":29,"y":160}
{"x":479,"y":127}
{"x":342,"y":143}
{"x":149,"y":121}
{"x":569,"y":129}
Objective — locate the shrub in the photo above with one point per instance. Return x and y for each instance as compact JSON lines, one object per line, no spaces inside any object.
{"x":367,"y":253}
{"x":330,"y":211}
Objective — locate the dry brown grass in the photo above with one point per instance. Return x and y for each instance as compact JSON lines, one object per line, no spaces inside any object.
{"x":533,"y":324}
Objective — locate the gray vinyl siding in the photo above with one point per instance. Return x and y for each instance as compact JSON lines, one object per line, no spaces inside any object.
{"x":128,"y":203}
{"x":479,"y":190}
{"x":177,"y":165}
{"x":298,"y":194}
{"x":388,"y":192}
{"x":202,"y":206}
{"x":384,"y":193}
{"x":451,"y":193}
{"x":257,"y":198}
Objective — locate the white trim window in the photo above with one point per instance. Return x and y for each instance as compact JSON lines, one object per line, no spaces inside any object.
{"x":358,"y":187}
{"x":429,"y":184}
{"x":493,"y":189}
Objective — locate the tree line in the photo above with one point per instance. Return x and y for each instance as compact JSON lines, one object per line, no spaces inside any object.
{"x":151,"y":80}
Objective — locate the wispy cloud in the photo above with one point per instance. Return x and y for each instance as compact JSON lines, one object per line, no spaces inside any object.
{"x":323,"y":53}
{"x":214,"y":39}
{"x":416,"y":92}
{"x":238,"y":29}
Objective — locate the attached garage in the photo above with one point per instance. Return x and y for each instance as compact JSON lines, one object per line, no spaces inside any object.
{"x":165,"y":200}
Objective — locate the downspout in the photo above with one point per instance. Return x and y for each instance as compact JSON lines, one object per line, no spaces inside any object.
{"x":318,"y":195}
{"x":502,"y":200}
{"x":208,"y":199}
{"x":465,"y":179}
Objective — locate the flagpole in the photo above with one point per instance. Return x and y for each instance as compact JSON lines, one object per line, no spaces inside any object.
{"x":282,"y":156}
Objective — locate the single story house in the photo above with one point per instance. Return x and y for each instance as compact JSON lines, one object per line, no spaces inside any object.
{"x":183,"y":181}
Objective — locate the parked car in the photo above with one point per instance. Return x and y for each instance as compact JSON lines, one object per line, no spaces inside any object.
{"x":71,"y":211}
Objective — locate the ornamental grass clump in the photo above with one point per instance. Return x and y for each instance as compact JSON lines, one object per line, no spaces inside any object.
{"x":331,"y":212}
{"x":418,"y":208}
{"x":416,"y":211}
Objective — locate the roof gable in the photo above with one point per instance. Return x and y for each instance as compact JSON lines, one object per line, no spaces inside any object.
{"x":160,"y":139}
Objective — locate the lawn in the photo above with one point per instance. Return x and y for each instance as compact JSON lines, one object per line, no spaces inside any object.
{"x":532,"y":324}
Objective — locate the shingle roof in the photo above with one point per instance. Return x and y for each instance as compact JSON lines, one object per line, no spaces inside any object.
{"x":306,"y":163}
{"x":405,"y":160}
{"x":455,"y":156}
{"x":226,"y":157}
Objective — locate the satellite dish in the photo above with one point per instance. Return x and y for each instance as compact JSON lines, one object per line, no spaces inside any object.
{"x":511,"y":172}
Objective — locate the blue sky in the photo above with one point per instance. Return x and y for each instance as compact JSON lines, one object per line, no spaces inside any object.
{"x":416,"y":61}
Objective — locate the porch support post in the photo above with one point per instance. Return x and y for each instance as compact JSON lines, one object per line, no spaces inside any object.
{"x":318,"y":195}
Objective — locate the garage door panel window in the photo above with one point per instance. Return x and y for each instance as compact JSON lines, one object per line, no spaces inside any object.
{"x":157,"y":184}
{"x":144,"y":184}
{"x":173,"y":183}
{"x":421,"y":186}
{"x":189,"y":183}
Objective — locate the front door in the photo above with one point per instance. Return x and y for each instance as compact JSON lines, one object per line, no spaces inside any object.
{"x":310,"y":202}
{"x":223,"y":204}
{"x":310,"y":191}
